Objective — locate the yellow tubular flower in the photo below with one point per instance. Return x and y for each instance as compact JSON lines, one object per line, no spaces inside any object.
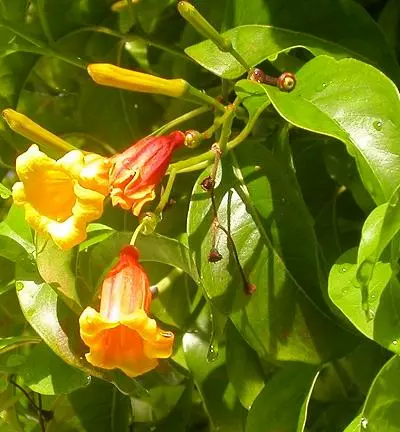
{"x":61,"y":197}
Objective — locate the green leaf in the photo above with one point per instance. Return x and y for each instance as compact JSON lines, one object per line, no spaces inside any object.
{"x":101,"y":408}
{"x":330,"y":99}
{"x":96,"y":234}
{"x":244,"y":369}
{"x":389,"y":22}
{"x":381,"y":408}
{"x":290,"y":388}
{"x":344,"y":23}
{"x":58,"y":268}
{"x":277,"y":202}
{"x":267,"y":42}
{"x":379,"y":229}
{"x":45,"y":373}
{"x":302,"y":332}
{"x":384,"y":294}
{"x":218,"y":395}
{"x":354,"y":426}
{"x":4,"y":192}
{"x":16,"y":243}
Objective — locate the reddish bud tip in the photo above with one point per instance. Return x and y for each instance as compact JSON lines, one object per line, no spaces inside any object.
{"x":193,"y":138}
{"x":207,"y":184}
{"x":257,"y":75}
{"x":250,"y":288}
{"x":286,"y":82}
{"x":214,"y":256}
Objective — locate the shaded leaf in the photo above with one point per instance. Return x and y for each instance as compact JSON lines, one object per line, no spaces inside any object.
{"x":100,"y":407}
{"x":45,"y":373}
{"x":244,"y":369}
{"x":210,"y":376}
{"x":283,"y":403}
{"x":381,"y":408}
{"x":302,"y":332}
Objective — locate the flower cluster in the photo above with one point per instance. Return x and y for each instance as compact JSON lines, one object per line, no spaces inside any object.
{"x":60,"y":197}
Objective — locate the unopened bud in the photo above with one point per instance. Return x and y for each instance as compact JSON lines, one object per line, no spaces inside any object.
{"x":207,"y":184}
{"x":26,"y":127}
{"x":115,"y":76}
{"x":193,"y":138}
{"x":286,"y":82}
{"x":214,"y":255}
{"x":250,"y":288}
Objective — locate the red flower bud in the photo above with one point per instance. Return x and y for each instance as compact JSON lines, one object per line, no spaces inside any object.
{"x":138,"y":170}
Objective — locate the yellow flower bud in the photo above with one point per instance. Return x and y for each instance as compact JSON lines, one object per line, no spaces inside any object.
{"x":33,"y":132}
{"x":114,"y":76}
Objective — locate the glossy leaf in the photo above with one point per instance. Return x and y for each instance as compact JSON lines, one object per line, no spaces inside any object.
{"x":354,"y":426}
{"x":381,"y":409}
{"x":298,"y":334}
{"x":244,"y":369}
{"x":379,"y":229}
{"x":16,"y":243}
{"x":44,"y":372}
{"x":58,"y":268}
{"x":339,"y":22}
{"x":266,"y":42}
{"x":101,"y":408}
{"x":329,"y":98}
{"x":384,"y":295}
{"x":290,"y":388}
{"x":221,"y":403}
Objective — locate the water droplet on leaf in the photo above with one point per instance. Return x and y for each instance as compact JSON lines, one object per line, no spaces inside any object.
{"x":19,"y":285}
{"x":377,"y":125}
{"x":395,"y":342}
{"x":212,"y":354}
{"x":364,"y":423}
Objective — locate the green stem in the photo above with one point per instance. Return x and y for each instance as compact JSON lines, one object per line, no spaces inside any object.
{"x":181,"y":119}
{"x":136,"y":233}
{"x":226,"y":127}
{"x":201,"y":97}
{"x":44,"y":22}
{"x":197,"y":161}
{"x":165,"y":196}
{"x":168,"y":280}
{"x":193,"y":16}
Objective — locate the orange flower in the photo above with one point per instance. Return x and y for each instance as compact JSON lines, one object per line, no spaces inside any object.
{"x":122,"y":335}
{"x":137,"y":171}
